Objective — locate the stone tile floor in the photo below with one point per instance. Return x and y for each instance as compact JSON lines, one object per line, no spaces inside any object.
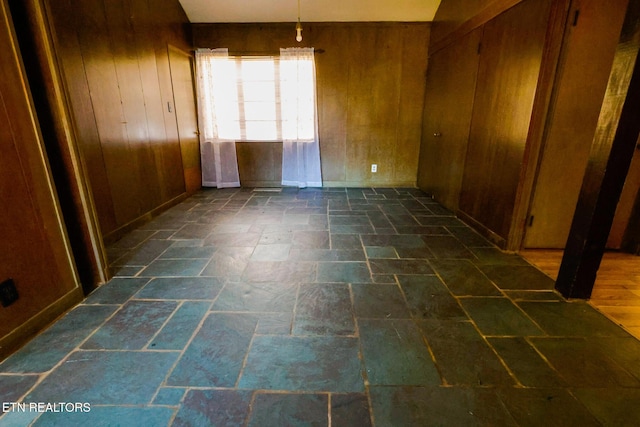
{"x":340,"y":307}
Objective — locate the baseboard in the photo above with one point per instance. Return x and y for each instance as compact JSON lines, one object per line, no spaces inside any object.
{"x":484,"y":231}
{"x":369,"y":184}
{"x":28,"y":330}
{"x":261,"y":184}
{"x":120,"y":232}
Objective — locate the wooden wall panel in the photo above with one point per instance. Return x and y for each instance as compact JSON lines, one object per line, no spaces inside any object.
{"x":163,"y":31}
{"x":34,"y":251}
{"x":451,"y":84}
{"x":456,"y":18}
{"x":370,"y":83}
{"x":143,"y":167}
{"x":260,"y":163}
{"x":102,"y":78}
{"x":115,"y":61}
{"x":156,"y":133}
{"x":507,"y":79}
{"x":374,"y":86}
{"x":333,"y":105}
{"x":410,"y":113}
{"x":70,"y":54}
{"x":453,"y":13}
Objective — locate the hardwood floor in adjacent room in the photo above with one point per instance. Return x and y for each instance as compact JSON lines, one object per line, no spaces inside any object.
{"x":617,"y":289}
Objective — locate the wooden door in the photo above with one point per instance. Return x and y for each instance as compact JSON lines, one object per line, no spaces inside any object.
{"x":451,"y":82}
{"x":186,"y":117}
{"x":510,"y":60}
{"x":589,"y":44}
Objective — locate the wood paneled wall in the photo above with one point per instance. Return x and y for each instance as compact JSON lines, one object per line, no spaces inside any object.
{"x":511,"y":108}
{"x":370,"y":82}
{"x":498,"y":88}
{"x":451,"y":84}
{"x":541,"y":77}
{"x":455,"y":18}
{"x":34,"y":251}
{"x":114,"y":57}
{"x":260,"y":163}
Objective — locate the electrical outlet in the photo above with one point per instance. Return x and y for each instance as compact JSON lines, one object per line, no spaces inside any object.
{"x":8,"y":293}
{"x":374,"y":168}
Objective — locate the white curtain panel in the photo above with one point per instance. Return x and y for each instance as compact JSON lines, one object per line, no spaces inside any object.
{"x":218,"y":155}
{"x":301,"y":148}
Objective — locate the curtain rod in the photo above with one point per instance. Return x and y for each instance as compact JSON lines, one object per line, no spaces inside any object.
{"x":259,"y":53}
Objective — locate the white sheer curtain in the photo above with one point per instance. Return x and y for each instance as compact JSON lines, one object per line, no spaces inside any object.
{"x":218,"y":155}
{"x":301,"y":149}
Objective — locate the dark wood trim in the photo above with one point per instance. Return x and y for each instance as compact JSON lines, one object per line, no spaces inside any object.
{"x":19,"y":336}
{"x":35,"y":250}
{"x":121,"y":231}
{"x":537,"y":128}
{"x":484,"y":231}
{"x":609,"y":160}
{"x":68,"y":169}
{"x":262,"y":184}
{"x":487,"y":14}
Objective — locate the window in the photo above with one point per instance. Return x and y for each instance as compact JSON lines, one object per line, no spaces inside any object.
{"x":258,"y":99}
{"x":263,"y":98}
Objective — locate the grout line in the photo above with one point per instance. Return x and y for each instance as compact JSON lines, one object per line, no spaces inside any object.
{"x":295,"y":310}
{"x":179,"y":305}
{"x":329,"y":418}
{"x":246,"y":355}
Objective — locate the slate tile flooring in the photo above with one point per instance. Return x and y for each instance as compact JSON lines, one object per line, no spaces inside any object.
{"x":324,"y":307}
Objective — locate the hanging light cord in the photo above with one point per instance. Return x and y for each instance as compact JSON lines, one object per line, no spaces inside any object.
{"x":299,"y":26}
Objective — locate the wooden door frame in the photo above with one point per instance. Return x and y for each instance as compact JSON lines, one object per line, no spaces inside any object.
{"x":87,"y":242}
{"x":175,"y":49}
{"x":37,"y":188}
{"x":538,"y":125}
{"x":609,"y":160}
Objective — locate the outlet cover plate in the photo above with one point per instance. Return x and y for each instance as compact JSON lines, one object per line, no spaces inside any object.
{"x":8,"y":293}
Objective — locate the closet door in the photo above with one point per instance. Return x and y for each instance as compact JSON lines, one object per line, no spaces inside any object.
{"x":451,"y":82}
{"x":589,"y":44}
{"x":510,"y":60}
{"x":184,"y":100}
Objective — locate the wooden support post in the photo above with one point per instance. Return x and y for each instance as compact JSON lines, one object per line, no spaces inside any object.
{"x":609,"y":160}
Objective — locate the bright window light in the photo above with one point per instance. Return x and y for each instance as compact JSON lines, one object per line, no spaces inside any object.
{"x":263,"y":99}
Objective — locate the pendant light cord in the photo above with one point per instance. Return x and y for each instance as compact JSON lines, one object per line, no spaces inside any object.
{"x":298,"y":26}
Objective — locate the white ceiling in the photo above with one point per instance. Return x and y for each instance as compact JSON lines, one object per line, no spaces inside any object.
{"x":206,"y":11}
